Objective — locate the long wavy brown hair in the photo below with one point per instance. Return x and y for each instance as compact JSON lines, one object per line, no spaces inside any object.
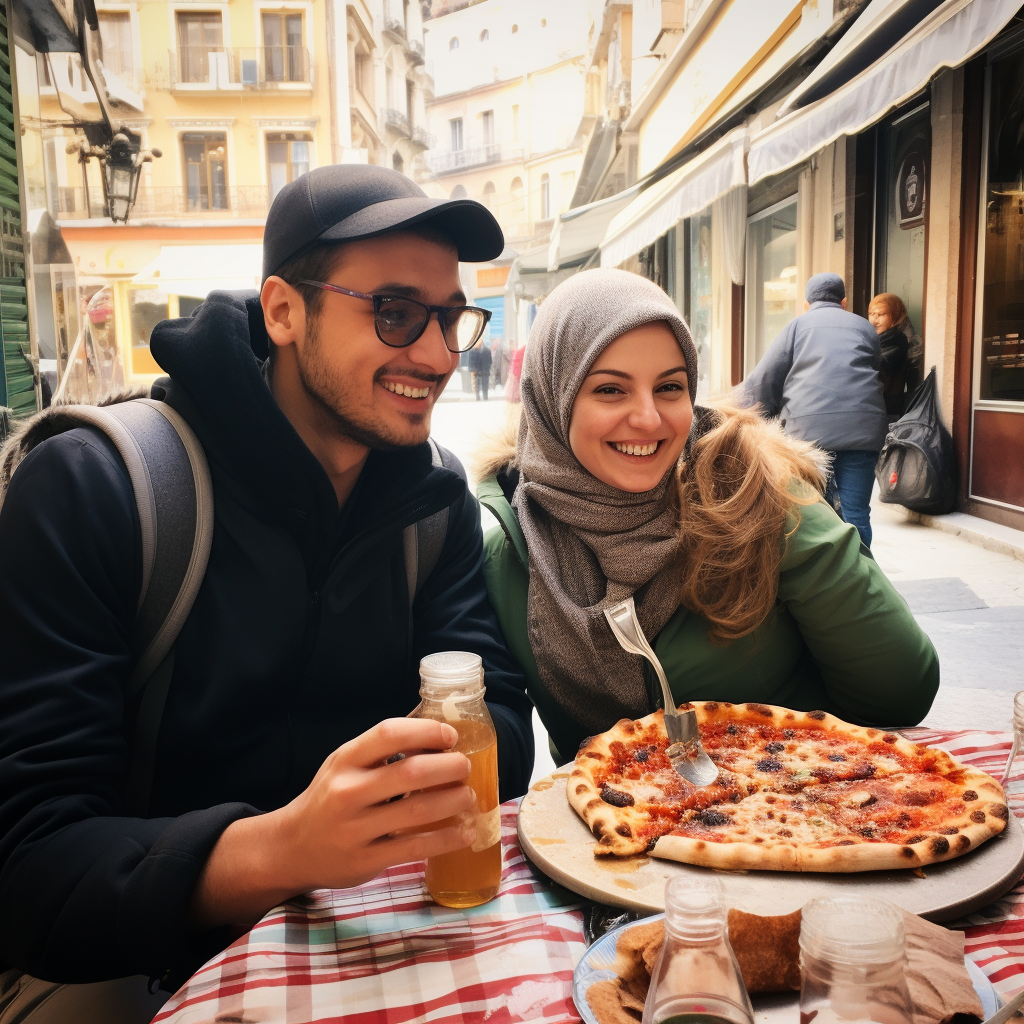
{"x":741,"y":486}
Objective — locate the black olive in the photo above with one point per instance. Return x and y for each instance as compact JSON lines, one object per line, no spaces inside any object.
{"x":775,"y":747}
{"x":711,"y":817}
{"x":642,"y":755}
{"x":616,"y":797}
{"x":769,"y":764}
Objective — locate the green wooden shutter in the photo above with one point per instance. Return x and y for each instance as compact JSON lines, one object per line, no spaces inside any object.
{"x":17,"y":384}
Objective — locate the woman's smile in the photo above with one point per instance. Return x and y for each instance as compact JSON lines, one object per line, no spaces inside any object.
{"x":636,"y":449}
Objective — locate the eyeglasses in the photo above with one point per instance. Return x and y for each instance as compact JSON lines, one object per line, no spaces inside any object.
{"x":399,"y":321}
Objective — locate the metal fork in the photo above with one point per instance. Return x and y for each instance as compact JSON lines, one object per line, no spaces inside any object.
{"x":684,"y":752}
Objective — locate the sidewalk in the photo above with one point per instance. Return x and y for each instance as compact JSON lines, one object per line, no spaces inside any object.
{"x":963,"y":578}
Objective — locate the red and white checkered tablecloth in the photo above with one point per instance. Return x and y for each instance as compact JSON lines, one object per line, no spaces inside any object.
{"x":384,"y":954}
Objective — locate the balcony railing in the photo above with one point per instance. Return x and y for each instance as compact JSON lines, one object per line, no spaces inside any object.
{"x":395,"y":121}
{"x":394,"y":27}
{"x":415,"y":52}
{"x":442,"y":163}
{"x":254,"y":67}
{"x":248,"y":201}
{"x":421,"y":137}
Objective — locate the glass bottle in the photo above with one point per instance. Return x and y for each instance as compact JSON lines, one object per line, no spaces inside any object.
{"x":853,"y":962}
{"x":452,"y":691}
{"x":1018,"y":735}
{"x":696,"y":979}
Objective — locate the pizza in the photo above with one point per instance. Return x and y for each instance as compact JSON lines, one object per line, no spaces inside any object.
{"x":796,"y":791}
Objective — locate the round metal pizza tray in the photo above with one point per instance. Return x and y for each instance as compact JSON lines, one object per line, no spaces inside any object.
{"x":556,"y":841}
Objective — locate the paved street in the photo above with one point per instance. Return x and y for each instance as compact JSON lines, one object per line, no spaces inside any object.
{"x":968,"y":599}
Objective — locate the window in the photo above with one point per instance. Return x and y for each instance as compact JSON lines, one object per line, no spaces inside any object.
{"x":206,"y":174}
{"x":459,"y":192}
{"x":771,"y":289}
{"x":389,"y":87}
{"x":52,"y":184}
{"x":287,"y":158}
{"x":397,"y":162}
{"x":284,"y":56}
{"x":545,"y":197}
{"x":697,"y":287}
{"x":487,"y":124}
{"x":515,"y":123}
{"x":517,"y":211}
{"x":515,"y":29}
{"x":199,"y":35}
{"x":453,"y":43}
{"x":456,"y":126}
{"x":543,"y":22}
{"x":484,"y":36}
{"x":116,"y":37}
{"x":410,"y":99}
{"x":363,"y":75}
{"x":1001,"y":376}
{"x":488,"y":197}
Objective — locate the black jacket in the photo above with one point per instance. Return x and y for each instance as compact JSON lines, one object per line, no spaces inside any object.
{"x":299,"y":640}
{"x":894,"y":371}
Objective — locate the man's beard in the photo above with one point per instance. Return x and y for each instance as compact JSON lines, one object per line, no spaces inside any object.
{"x":329,"y":395}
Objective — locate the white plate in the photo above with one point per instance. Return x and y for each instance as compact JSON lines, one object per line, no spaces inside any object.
{"x":592,"y":967}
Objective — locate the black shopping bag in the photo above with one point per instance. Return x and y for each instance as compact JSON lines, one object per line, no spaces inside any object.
{"x":917,"y":465}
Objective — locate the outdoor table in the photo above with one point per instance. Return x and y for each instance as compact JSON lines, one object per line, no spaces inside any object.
{"x":383,"y":952}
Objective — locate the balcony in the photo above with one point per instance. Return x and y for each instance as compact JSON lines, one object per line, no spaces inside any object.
{"x":395,"y":121}
{"x":393,"y":27}
{"x":422,"y":138}
{"x":459,"y":159}
{"x":202,"y":68}
{"x":415,"y":53}
{"x":157,"y":201}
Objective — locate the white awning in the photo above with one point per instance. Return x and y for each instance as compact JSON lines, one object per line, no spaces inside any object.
{"x":579,"y":232}
{"x":684,"y":192}
{"x":948,"y":37}
{"x":197,"y":270}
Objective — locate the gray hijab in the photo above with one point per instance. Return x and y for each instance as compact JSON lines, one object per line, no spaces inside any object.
{"x":590,"y":544}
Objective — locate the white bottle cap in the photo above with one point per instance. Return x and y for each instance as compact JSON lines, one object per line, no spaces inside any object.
{"x":454,"y":670}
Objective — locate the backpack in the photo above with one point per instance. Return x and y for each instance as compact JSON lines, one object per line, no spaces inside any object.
{"x":917,"y":464}
{"x":174,"y":498}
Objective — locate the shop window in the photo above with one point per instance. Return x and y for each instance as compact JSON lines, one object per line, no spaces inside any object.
{"x":1001,"y":376}
{"x":771,"y":287}
{"x":147,"y":307}
{"x":287,"y":158}
{"x":199,"y":35}
{"x":284,"y":56}
{"x":116,"y":37}
{"x":456,"y":129}
{"x":904,"y":147}
{"x":206,"y":162}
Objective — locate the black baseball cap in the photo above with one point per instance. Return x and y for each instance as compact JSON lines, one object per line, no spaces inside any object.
{"x":347,"y":202}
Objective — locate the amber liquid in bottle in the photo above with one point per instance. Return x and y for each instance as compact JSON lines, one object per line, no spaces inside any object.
{"x":469,"y":877}
{"x":452,"y":691}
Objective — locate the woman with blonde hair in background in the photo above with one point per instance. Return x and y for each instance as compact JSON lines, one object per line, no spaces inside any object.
{"x":902,"y":366}
{"x":747,"y":584}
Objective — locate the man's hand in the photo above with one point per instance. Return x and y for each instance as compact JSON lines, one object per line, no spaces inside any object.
{"x":344,"y":828}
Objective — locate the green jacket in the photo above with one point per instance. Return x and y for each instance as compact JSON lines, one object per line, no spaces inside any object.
{"x":841,"y":640}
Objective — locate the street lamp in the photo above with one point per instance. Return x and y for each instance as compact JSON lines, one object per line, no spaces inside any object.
{"x":121,"y":162}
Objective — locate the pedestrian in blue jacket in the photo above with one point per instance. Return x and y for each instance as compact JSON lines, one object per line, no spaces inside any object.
{"x":820,"y":378}
{"x":298,"y":663}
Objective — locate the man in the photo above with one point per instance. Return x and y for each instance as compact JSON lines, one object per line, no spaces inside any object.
{"x":299,"y":660}
{"x":480,"y":364}
{"x":820,"y":377}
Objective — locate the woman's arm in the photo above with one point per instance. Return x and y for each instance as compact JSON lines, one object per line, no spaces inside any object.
{"x":877,"y":665}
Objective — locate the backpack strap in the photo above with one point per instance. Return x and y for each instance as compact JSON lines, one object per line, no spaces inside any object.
{"x":173,"y":490}
{"x":422,"y":541}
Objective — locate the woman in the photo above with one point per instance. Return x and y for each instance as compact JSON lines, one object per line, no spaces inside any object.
{"x":902,"y":366}
{"x":749,"y":587}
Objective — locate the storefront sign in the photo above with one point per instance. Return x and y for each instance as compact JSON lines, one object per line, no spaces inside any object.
{"x":910,"y":189}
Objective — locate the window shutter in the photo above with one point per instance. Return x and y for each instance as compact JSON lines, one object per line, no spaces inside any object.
{"x":17,"y":384}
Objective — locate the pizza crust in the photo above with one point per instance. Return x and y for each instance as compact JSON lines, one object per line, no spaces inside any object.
{"x":747,"y":839}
